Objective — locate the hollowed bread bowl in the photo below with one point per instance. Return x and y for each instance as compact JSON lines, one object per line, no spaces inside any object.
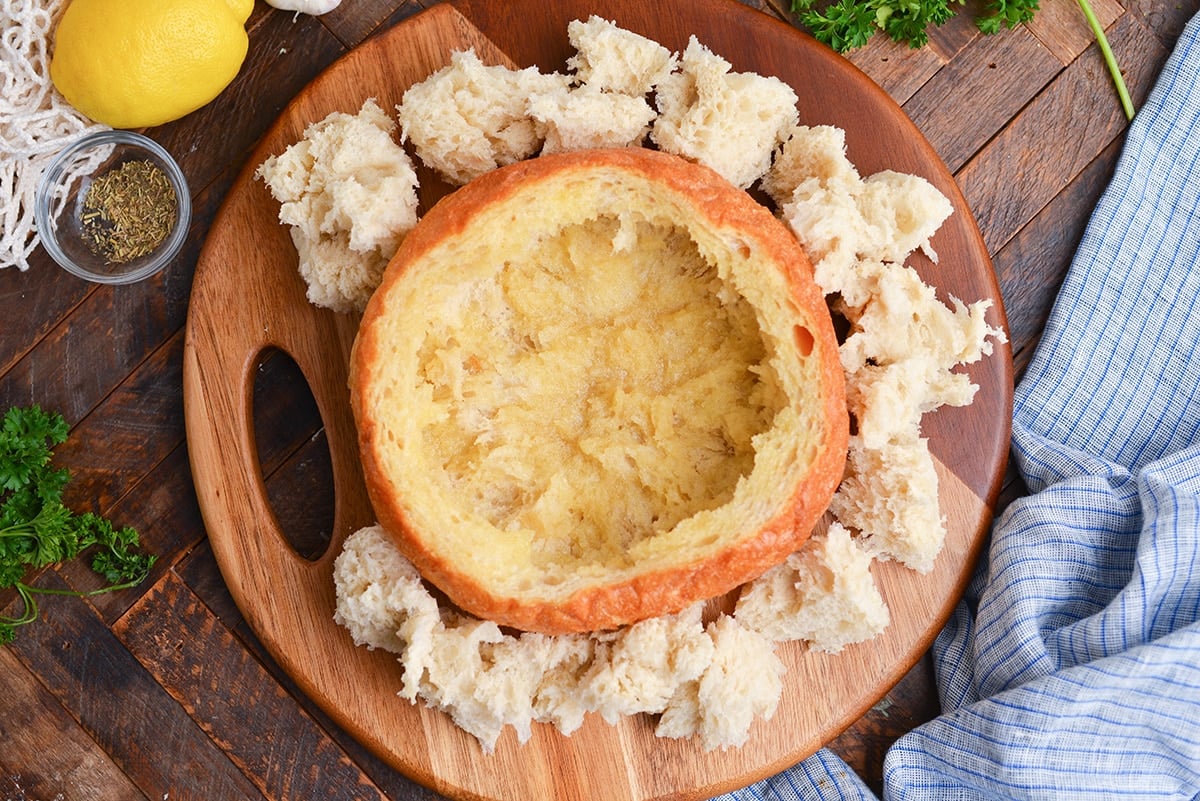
{"x":597,"y":387}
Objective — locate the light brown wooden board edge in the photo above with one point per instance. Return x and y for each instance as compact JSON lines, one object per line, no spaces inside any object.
{"x":239,"y":539}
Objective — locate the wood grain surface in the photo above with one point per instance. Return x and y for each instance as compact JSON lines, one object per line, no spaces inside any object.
{"x":166,"y":691}
{"x":248,"y":299}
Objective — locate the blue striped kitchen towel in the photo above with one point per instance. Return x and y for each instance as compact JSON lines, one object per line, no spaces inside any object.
{"x":1071,"y":670}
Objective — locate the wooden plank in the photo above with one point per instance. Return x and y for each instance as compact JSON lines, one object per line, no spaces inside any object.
{"x":138,"y":424}
{"x":911,"y":702}
{"x":351,"y":23}
{"x":237,"y":703}
{"x":898,"y":68}
{"x":34,"y":303}
{"x":199,"y":571}
{"x":958,"y":33}
{"x":1061,"y":26}
{"x":109,"y":334}
{"x":285,"y":413}
{"x":121,"y":706}
{"x":162,"y":508}
{"x":301,"y":494}
{"x":1061,"y":131}
{"x":975,"y":95}
{"x":1032,"y":265}
{"x":46,"y":754}
{"x":1166,"y":19}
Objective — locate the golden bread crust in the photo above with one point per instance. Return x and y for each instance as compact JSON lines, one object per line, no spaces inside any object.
{"x":552,"y":580}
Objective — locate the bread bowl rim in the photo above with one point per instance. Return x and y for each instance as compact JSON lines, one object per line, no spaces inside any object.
{"x":648,"y":593}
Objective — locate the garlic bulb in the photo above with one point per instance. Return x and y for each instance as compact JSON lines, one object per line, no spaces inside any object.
{"x":313,"y":7}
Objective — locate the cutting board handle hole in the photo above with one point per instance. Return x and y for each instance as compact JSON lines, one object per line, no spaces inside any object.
{"x":293,"y":454}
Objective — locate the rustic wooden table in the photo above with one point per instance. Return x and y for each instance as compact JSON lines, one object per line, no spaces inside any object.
{"x":163,"y":692}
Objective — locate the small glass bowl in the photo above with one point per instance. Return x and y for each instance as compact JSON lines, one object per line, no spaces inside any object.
{"x":60,"y":205}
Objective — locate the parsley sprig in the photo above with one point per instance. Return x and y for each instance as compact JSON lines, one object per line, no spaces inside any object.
{"x":849,"y":24}
{"x":37,"y":529}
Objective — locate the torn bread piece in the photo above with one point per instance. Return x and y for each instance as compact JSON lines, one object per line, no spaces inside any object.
{"x":469,"y":118}
{"x":348,"y":206}
{"x":612,"y":59}
{"x":612,"y":72}
{"x":904,"y":346}
{"x":584,"y":118}
{"x":729,"y":121}
{"x":709,"y":680}
{"x":890,"y":497}
{"x":842,"y":217}
{"x":823,"y":595}
{"x":742,"y":683}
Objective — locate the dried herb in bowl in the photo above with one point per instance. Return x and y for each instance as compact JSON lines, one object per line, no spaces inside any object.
{"x":128,"y":212}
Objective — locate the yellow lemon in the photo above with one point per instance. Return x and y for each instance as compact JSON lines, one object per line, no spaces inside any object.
{"x":137,"y":63}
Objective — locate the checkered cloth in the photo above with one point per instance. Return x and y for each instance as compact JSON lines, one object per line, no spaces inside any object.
{"x":1071,"y":670}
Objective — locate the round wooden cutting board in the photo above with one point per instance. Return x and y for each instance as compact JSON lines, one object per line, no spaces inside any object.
{"x":248,"y":299}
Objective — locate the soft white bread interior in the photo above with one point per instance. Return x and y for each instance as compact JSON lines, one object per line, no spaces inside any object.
{"x":348,"y":193}
{"x":596,"y":387}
